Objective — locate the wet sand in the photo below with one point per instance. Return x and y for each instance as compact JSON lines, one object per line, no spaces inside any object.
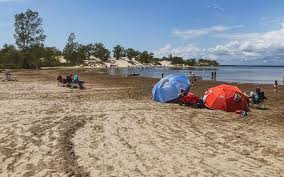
{"x":113,"y":128}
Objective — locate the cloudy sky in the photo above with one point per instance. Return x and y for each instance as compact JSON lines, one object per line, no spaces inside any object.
{"x":233,"y":32}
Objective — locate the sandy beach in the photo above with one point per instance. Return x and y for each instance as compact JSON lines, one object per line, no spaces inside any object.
{"x":113,"y":128}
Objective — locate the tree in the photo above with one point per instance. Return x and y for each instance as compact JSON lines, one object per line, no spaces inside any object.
{"x":70,"y":51}
{"x":97,"y":50}
{"x":145,"y":57}
{"x":10,"y":57}
{"x":190,"y":62}
{"x":51,"y":56}
{"x":82,"y":53}
{"x":89,"y":49}
{"x":177,"y":60}
{"x":118,"y":52}
{"x":131,"y":53}
{"x":101,"y":52}
{"x":28,"y":30}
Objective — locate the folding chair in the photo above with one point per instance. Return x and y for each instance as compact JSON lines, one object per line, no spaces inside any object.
{"x":258,"y":103}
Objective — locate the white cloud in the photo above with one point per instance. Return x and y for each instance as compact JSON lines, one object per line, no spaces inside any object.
{"x":11,"y":1}
{"x":236,"y":36}
{"x":268,"y":21}
{"x":268,"y":46}
{"x":204,"y":31}
{"x":182,"y":51}
{"x":216,"y":7}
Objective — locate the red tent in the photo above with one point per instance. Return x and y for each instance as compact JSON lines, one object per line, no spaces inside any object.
{"x":225,"y":97}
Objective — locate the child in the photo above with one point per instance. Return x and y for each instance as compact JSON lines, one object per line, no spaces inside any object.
{"x":275,"y":86}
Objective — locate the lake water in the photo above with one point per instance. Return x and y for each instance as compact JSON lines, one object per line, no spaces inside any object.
{"x":239,"y":74}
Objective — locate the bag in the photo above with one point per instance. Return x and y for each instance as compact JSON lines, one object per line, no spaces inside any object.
{"x":190,"y":99}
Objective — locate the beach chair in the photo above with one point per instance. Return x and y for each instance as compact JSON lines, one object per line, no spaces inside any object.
{"x":79,"y":84}
{"x":258,"y":103}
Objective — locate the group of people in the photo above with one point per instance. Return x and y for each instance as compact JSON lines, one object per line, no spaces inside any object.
{"x":70,"y":81}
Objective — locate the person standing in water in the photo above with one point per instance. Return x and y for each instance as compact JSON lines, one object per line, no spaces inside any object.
{"x":215,"y":75}
{"x":212,"y":76}
{"x":162,"y":75}
{"x":275,"y":86}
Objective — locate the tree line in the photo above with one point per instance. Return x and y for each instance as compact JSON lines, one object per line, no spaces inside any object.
{"x":30,"y":51}
{"x":190,"y":62}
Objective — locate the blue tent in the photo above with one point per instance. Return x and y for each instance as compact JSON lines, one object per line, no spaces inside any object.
{"x":168,"y":89}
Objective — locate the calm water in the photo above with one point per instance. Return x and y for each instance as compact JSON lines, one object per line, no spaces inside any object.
{"x":240,"y":74}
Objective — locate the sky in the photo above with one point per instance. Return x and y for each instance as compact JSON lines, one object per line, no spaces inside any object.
{"x":232,"y":32}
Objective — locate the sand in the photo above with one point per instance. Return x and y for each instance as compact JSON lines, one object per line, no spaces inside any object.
{"x":113,"y":128}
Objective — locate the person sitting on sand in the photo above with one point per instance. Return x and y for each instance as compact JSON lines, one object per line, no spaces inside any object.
{"x":77,"y":81}
{"x":59,"y":79}
{"x":76,"y":78}
{"x":69,"y":79}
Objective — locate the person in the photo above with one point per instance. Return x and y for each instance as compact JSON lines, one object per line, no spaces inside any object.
{"x":237,"y":98}
{"x":75,"y":78}
{"x":182,"y":92}
{"x":215,"y":75}
{"x":212,"y":75}
{"x":162,"y":75}
{"x":68,"y":79}
{"x":77,"y":81}
{"x":59,"y":79}
{"x":275,"y":86}
{"x":257,"y":94}
{"x":253,"y":95}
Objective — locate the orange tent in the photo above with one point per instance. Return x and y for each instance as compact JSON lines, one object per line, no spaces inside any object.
{"x":225,"y":97}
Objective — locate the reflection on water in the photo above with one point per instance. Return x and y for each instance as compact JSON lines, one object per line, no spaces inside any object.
{"x":240,"y":74}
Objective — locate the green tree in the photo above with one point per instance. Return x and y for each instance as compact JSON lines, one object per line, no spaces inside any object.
{"x":70,"y":51}
{"x":33,"y":57}
{"x":131,"y":53}
{"x":190,"y":62}
{"x":10,"y":57}
{"x":89,"y":49}
{"x":101,"y":52}
{"x":51,"y":55}
{"x":145,"y":57}
{"x":97,"y":50}
{"x":82,"y":53}
{"x":177,"y":60}
{"x":28,"y":30}
{"x":118,"y":52}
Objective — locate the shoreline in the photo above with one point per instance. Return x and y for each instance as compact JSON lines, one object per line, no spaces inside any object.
{"x":280,"y":82}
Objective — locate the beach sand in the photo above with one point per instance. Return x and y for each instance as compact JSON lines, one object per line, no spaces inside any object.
{"x":113,"y":128}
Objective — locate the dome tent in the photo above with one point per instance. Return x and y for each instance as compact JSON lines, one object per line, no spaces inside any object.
{"x":168,"y":89}
{"x":225,"y":97}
